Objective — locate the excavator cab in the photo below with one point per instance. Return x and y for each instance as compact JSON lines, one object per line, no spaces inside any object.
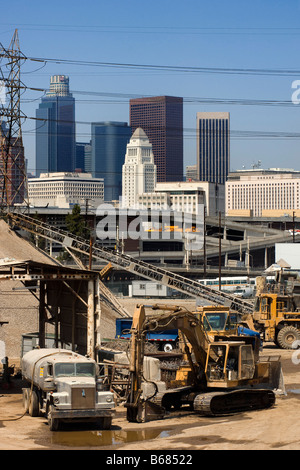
{"x":229,"y":364}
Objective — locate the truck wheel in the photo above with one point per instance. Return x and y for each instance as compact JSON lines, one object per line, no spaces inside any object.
{"x":168,"y":347}
{"x":25,"y":393}
{"x":33,"y":405}
{"x":287,"y":336}
{"x":54,"y":423}
{"x":105,"y":423}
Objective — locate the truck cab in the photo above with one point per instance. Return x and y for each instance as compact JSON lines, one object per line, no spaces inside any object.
{"x":63,"y":385}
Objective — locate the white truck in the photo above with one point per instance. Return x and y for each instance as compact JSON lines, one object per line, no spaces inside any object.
{"x":63,"y":385}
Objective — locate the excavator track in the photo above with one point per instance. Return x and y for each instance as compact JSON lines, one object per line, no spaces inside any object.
{"x":234,"y":401}
{"x":215,"y":403}
{"x":172,"y":399}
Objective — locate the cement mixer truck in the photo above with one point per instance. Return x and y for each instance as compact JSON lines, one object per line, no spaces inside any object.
{"x":63,"y":385}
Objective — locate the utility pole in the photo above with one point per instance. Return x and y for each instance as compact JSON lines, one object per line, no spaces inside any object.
{"x":87,"y":229}
{"x":293,"y":226}
{"x":187,"y":257}
{"x":204,"y":245}
{"x":13,"y":174}
{"x":220,"y":252}
{"x":248,"y":256}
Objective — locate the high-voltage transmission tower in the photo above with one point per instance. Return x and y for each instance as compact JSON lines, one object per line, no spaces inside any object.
{"x":13,"y":175}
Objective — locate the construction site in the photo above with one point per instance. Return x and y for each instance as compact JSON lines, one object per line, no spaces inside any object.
{"x":209,"y":370}
{"x":50,"y":305}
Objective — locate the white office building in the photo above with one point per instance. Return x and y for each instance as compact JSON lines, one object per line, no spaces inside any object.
{"x":139,"y":170}
{"x":186,"y":196}
{"x":263,"y":193}
{"x":63,"y":190}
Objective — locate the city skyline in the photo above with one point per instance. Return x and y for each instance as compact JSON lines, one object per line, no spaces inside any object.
{"x":239,"y":58}
{"x":59,"y":87}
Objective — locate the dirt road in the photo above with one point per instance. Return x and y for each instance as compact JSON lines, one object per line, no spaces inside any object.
{"x":276,"y":428}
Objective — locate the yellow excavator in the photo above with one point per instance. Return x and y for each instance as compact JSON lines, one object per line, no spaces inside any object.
{"x":227,"y":374}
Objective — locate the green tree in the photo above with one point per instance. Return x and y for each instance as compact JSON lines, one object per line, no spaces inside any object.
{"x":75,"y":222}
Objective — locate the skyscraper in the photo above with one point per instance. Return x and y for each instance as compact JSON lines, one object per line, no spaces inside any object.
{"x":80,"y":156}
{"x":139,"y":171}
{"x":13,"y":187}
{"x":161,"y":118}
{"x":55,"y":128}
{"x":109,"y":140}
{"x":213,"y":147}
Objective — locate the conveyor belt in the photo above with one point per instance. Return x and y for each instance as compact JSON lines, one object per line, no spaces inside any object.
{"x":128,"y":263}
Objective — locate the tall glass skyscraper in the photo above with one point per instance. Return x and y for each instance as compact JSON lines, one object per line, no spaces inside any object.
{"x":109,"y":141}
{"x":213,"y":147}
{"x":55,"y":129}
{"x":161,"y":118}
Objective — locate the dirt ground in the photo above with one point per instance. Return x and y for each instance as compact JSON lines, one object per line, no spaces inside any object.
{"x":273,"y":429}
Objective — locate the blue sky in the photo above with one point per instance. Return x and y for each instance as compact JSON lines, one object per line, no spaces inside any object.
{"x":261,"y":34}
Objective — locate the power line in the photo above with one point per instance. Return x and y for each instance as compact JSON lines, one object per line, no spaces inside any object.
{"x":192,"y":100}
{"x":173,"y":68}
{"x":233,"y":133}
{"x":122,"y":98}
{"x":165,"y":30}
